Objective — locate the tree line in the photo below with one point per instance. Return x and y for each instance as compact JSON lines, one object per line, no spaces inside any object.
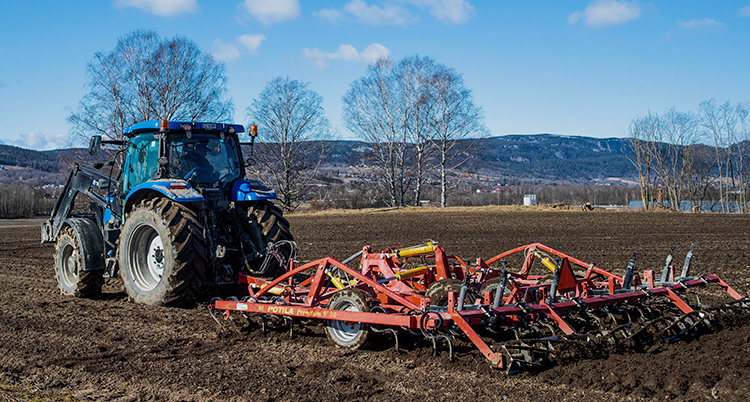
{"x":693,"y":156}
{"x":413,"y":112}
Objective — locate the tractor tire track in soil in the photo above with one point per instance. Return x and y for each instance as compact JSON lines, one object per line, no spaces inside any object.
{"x":110,"y":349}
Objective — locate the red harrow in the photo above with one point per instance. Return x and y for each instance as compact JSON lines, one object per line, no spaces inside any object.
{"x":425,"y":292}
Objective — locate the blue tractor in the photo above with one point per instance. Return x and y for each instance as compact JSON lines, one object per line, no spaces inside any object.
{"x":177,"y":220}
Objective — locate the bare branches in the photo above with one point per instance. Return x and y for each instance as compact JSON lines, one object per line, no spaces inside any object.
{"x":147,"y":78}
{"x":671,"y":156}
{"x":454,"y":118}
{"x":292,"y":132}
{"x":411,"y":112}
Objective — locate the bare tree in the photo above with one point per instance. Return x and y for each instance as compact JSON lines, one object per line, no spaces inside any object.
{"x":292,"y":133}
{"x":404,"y":111}
{"x":147,"y":78}
{"x":454,"y":118}
{"x":727,"y":126}
{"x":414,"y":77}
{"x":642,"y":134}
{"x":700,"y":167}
{"x":677,"y":132}
{"x":371,"y":111}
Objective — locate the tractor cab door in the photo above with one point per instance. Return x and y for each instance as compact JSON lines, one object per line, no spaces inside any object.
{"x":141,"y":162}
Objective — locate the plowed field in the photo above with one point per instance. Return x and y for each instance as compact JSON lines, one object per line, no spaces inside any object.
{"x":113,"y":350}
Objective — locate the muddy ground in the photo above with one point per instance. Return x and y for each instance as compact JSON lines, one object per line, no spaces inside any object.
{"x":112,"y":350}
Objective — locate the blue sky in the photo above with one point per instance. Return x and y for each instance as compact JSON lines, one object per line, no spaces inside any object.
{"x":564,"y":67}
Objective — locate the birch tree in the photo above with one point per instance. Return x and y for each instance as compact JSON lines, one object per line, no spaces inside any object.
{"x":146,"y":77}
{"x":292,"y":134}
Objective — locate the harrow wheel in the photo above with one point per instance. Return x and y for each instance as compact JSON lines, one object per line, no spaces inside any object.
{"x":71,"y":278}
{"x":437,"y":292}
{"x":491,"y":286}
{"x":162,"y":254}
{"x":348,"y":334}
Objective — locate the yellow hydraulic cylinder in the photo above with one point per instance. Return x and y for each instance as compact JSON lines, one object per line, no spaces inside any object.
{"x":546,"y":261}
{"x":409,"y":273}
{"x":338,"y":282}
{"x":416,"y":250}
{"x":276,"y":290}
{"x":412,"y":272}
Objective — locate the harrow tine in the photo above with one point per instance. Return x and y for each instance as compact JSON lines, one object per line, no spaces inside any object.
{"x":523,"y":354}
{"x":688,"y":325}
{"x":435,"y":349}
{"x":618,"y":335}
{"x":375,"y":328}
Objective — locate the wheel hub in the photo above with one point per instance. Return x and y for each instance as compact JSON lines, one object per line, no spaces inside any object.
{"x":70,"y":267}
{"x":156,"y":256}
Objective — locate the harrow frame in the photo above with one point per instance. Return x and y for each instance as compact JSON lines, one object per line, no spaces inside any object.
{"x":400,"y":302}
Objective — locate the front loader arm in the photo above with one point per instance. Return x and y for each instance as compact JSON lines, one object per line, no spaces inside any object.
{"x":80,"y":180}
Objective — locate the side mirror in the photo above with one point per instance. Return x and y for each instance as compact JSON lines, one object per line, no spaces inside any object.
{"x":250,"y":162}
{"x":95,"y":144}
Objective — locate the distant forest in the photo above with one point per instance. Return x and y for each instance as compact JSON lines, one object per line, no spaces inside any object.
{"x":512,"y":159}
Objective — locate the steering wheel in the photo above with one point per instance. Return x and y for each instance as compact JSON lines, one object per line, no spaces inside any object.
{"x":198,"y":171}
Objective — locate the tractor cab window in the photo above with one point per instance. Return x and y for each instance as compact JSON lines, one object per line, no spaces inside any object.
{"x":142,"y":161}
{"x":203,"y":158}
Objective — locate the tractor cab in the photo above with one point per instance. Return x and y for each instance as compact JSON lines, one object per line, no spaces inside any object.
{"x":207,"y":155}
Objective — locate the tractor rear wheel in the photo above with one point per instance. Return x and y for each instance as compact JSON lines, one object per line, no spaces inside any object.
{"x":265,"y":224}
{"x":350,"y":334}
{"x":270,"y":218}
{"x":162,"y":254}
{"x":71,"y":278}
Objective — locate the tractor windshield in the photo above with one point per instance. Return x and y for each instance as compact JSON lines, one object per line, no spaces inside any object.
{"x":203,"y":158}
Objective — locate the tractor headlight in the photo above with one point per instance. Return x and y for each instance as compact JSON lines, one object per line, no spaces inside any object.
{"x":231,"y":130}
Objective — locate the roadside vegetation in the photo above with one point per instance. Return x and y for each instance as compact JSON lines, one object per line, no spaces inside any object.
{"x":25,"y":201}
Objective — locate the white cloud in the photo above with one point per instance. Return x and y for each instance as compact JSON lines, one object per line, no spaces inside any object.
{"x":374,"y":52}
{"x":705,"y":23}
{"x":744,"y":12}
{"x":35,"y":140}
{"x":346,"y":52}
{"x":251,"y":42}
{"x":269,"y":12}
{"x":452,"y":11}
{"x":162,"y":8}
{"x":231,"y":51}
{"x":330,"y":15}
{"x":359,"y":11}
{"x":224,"y":51}
{"x":603,"y":13}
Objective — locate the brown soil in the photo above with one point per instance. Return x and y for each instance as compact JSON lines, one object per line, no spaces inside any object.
{"x":110,"y":349}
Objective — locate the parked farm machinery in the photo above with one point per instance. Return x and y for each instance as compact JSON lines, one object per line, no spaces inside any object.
{"x":515,"y":318}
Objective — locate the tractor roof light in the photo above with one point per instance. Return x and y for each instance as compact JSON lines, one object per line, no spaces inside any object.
{"x":186,"y":126}
{"x":253,"y":131}
{"x":164,"y":124}
{"x":231,"y":129}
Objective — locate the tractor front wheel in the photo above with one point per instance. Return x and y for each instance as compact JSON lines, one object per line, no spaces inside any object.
{"x":71,"y":278}
{"x":162,"y":254}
